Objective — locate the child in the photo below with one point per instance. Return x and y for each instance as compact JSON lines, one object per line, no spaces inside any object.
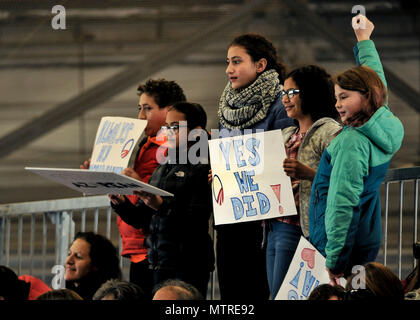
{"x":178,"y":241}
{"x":155,"y":97}
{"x":344,"y":213}
{"x":308,"y":97}
{"x":251,"y":100}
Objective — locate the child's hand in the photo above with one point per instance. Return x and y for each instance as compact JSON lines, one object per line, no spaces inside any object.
{"x":151,"y":200}
{"x":210,"y":177}
{"x":362,"y":27}
{"x":129,"y":172}
{"x":85,"y":165}
{"x":116,"y":199}
{"x":296,"y":169}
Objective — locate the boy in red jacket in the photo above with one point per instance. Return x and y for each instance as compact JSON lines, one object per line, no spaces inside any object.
{"x":155,"y":98}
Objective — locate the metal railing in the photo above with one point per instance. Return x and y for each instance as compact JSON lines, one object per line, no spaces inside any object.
{"x":407,"y":204}
{"x":58,"y":220}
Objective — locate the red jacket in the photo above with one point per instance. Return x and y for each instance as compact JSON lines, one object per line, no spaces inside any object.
{"x":145,"y":165}
{"x":37,"y":286}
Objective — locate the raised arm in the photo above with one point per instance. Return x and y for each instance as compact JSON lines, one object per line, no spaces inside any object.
{"x":365,"y":51}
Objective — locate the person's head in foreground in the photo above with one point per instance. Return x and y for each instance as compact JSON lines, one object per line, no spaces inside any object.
{"x":176,"y":290}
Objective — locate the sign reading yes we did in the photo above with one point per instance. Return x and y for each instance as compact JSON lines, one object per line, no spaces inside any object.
{"x":249,"y":182}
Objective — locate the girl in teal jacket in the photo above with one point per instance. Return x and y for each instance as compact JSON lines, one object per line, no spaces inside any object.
{"x":344,"y":212}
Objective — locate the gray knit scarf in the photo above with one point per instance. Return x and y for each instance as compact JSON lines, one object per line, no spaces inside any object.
{"x":242,"y":108}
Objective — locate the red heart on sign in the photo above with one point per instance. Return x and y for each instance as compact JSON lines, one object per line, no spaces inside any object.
{"x":308,"y":255}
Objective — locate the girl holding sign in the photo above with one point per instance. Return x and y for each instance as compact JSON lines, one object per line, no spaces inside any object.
{"x":344,"y":213}
{"x":308,"y":97}
{"x":178,"y":241}
{"x":250,"y":101}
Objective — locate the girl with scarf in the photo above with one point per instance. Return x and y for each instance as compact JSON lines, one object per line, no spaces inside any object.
{"x":250,"y":101}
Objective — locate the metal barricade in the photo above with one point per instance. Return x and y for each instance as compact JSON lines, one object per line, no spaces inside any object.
{"x":58,"y":220}
{"x":35,"y":246}
{"x":400,"y":194}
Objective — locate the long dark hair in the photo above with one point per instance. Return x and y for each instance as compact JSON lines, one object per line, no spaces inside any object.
{"x":316,"y":91}
{"x":258,"y":47}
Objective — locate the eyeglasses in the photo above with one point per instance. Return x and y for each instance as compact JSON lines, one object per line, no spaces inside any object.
{"x":290,"y":93}
{"x":170,"y":129}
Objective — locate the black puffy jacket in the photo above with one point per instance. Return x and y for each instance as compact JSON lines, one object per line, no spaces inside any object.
{"x":177,"y":233}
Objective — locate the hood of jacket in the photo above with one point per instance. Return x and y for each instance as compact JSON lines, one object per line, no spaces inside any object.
{"x":384,"y":130}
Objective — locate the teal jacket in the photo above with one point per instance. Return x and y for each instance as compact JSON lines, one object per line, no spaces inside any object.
{"x":344,"y":210}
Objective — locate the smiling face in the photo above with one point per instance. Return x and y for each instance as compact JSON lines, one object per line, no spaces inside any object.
{"x":349,"y":103}
{"x":150,"y":111}
{"x":241,"y":70}
{"x":293,"y":106}
{"x":78,"y":263}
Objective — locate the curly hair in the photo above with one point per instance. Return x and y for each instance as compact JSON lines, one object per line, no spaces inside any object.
{"x":316,"y":91}
{"x":165,"y":92}
{"x":258,"y":47}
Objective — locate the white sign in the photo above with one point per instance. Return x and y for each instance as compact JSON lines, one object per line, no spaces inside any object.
{"x":306,"y":272}
{"x":249,"y":182}
{"x":95,"y":183}
{"x":115,"y":141}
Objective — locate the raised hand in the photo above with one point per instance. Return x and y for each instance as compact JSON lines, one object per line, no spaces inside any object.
{"x":362,"y":27}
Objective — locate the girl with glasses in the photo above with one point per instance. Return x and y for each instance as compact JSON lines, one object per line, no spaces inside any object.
{"x":344,"y":212}
{"x":178,"y":241}
{"x":308,"y":98}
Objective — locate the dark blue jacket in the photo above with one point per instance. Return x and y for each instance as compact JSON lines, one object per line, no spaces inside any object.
{"x":177,"y":233}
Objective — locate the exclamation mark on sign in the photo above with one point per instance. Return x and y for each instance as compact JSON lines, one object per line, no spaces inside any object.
{"x":276,"y":188}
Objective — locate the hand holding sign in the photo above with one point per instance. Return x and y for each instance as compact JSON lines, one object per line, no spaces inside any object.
{"x":296,"y":169}
{"x":129,"y":172}
{"x":85,"y":165}
{"x":334,"y":278}
{"x":116,"y":198}
{"x":151,"y":200}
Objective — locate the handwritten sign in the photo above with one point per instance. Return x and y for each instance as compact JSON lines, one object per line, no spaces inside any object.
{"x":95,"y":183}
{"x":113,"y":147}
{"x":115,"y":141}
{"x":248,"y":179}
{"x":306,"y":272}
